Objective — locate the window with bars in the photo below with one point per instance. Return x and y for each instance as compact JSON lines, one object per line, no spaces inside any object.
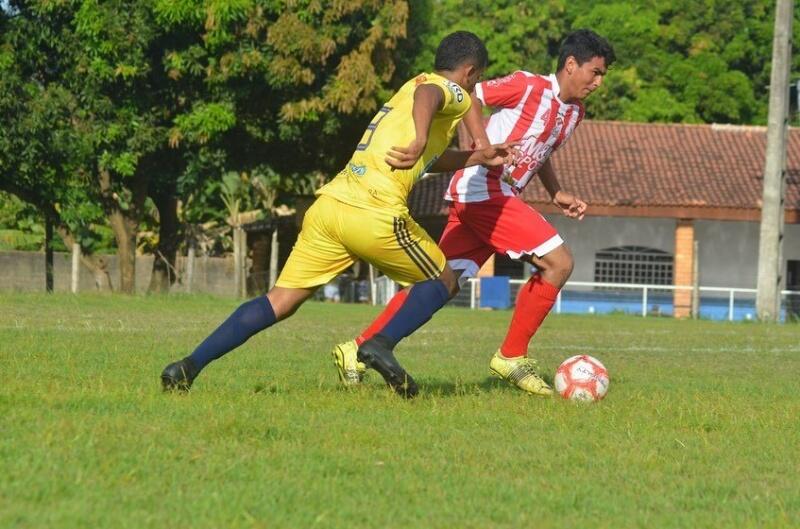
{"x":633,"y":264}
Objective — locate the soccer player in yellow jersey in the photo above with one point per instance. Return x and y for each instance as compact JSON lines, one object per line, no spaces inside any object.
{"x":362,"y":214}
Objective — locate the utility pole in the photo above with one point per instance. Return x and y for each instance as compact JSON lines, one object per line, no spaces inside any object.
{"x":770,"y":248}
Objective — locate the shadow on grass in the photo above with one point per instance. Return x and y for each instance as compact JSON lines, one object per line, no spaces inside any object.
{"x":446,"y":388}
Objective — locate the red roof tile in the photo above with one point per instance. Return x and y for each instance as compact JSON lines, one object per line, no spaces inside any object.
{"x":637,"y":165}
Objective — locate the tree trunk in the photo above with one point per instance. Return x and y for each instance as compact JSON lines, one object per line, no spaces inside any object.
{"x":125,"y":234}
{"x":97,"y":265}
{"x":164,"y":271}
{"x":125,"y":224}
{"x":48,"y":254}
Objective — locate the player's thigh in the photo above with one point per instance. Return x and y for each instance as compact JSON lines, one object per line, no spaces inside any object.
{"x":464,"y":249}
{"x":511,"y":227}
{"x":396,"y":245}
{"x":319,"y":254}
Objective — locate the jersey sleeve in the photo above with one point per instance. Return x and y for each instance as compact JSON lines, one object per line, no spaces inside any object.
{"x":456,"y":101}
{"x":503,"y":92}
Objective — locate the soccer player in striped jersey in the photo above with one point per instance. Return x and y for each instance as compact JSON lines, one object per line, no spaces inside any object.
{"x":486,"y":213}
{"x":362,"y":214}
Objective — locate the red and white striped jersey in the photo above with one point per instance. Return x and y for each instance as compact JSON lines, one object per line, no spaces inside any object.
{"x":527,"y":108}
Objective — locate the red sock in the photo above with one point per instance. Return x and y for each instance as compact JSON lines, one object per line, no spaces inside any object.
{"x":383,"y":318}
{"x":534,"y":301}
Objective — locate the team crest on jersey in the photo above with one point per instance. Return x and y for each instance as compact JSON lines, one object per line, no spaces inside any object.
{"x":421,"y":79}
{"x":456,"y":91}
{"x":558,"y":126}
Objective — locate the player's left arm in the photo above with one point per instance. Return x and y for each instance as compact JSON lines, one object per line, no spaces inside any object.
{"x":453,"y":160}
{"x":569,"y":204}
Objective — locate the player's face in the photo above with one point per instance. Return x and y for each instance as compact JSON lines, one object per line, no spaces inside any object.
{"x":588,"y":76}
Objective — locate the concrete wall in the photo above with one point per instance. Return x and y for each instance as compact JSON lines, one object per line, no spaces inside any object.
{"x":728,"y":251}
{"x":24,"y":272}
{"x":586,"y":237}
{"x":728,"y":255}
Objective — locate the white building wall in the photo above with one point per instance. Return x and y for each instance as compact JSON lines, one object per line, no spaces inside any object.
{"x":592,"y":234}
{"x":728,"y":251}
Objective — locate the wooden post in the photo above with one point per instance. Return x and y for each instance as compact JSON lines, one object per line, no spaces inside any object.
{"x":76,"y":270}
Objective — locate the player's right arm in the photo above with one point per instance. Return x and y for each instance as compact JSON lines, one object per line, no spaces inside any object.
{"x":569,"y":204}
{"x":428,"y":99}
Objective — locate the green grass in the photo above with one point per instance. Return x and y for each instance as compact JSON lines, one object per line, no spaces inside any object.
{"x":699,"y":429}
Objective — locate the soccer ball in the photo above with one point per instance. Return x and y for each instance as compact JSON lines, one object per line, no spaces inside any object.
{"x":583,"y":378}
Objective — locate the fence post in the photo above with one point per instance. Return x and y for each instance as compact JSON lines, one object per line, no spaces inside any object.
{"x":190,"y":267}
{"x":373,"y":288}
{"x":472,"y":294}
{"x":644,"y":302}
{"x":730,"y":305}
{"x":273,"y":258}
{"x":76,"y":261}
{"x":558,"y":303}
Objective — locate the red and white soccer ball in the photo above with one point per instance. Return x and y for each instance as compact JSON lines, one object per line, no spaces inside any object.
{"x":583,"y":378}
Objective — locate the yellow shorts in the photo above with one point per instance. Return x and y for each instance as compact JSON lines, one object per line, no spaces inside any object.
{"x":335,"y":234}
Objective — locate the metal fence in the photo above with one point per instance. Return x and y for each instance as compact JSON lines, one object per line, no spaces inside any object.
{"x":581,"y":297}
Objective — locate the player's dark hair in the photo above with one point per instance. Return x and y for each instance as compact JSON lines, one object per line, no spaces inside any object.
{"x":584,"y":44}
{"x":458,"y":48}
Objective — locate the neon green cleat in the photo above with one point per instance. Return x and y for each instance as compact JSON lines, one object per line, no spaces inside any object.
{"x":345,"y":357}
{"x":520,"y":372}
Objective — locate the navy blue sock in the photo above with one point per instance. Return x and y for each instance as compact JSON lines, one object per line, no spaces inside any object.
{"x":251,"y":317}
{"x":423,"y":300}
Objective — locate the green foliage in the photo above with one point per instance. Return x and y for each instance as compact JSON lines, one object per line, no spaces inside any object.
{"x":518,"y":35}
{"x":165,"y":97}
{"x":678,"y":61}
{"x":204,"y":122}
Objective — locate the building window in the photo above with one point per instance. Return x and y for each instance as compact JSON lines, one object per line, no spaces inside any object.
{"x":633,"y":264}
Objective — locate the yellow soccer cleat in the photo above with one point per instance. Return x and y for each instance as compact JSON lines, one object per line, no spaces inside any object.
{"x":520,"y":372}
{"x":345,"y":357}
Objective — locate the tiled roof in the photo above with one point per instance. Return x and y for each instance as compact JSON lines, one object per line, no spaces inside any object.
{"x":636,"y":166}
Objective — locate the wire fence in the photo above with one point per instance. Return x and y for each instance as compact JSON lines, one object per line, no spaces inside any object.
{"x":583,"y":297}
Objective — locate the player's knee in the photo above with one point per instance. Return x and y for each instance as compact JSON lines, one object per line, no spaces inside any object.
{"x":556,"y":267}
{"x":284,"y":302}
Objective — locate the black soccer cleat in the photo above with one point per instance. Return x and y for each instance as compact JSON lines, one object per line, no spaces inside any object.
{"x":178,"y":376}
{"x":378,"y":356}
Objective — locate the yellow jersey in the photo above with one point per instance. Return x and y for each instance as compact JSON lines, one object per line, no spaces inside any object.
{"x":368,"y":181}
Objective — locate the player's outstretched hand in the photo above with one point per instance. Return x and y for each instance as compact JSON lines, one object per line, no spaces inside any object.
{"x":570,"y":205}
{"x":499,"y":154}
{"x":405,"y":157}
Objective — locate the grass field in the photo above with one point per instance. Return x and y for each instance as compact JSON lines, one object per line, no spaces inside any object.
{"x":699,"y":429}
